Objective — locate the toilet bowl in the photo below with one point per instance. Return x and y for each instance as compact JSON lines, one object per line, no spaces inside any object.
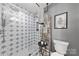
{"x":60,"y":47}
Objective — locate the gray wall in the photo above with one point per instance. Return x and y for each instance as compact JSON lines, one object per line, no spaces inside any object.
{"x":71,"y":34}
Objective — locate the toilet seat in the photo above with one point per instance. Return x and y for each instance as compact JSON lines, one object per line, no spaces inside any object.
{"x":56,"y":54}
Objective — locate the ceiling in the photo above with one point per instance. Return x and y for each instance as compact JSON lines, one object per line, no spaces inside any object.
{"x":32,"y":7}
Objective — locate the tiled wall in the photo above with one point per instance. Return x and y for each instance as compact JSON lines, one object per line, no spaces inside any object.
{"x":20,"y":36}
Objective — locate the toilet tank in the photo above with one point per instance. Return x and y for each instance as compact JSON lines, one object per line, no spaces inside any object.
{"x":61,"y":46}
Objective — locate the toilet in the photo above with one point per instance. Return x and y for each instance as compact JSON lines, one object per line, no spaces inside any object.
{"x":60,"y":47}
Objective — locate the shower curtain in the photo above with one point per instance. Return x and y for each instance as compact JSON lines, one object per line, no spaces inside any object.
{"x":18,"y":35}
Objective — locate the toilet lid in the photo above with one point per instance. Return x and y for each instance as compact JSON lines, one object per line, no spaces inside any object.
{"x":56,"y":54}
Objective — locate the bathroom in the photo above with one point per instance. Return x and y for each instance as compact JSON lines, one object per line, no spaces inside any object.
{"x":39,"y":29}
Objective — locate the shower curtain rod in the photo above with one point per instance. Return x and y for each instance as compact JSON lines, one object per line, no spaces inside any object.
{"x":37,"y":4}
